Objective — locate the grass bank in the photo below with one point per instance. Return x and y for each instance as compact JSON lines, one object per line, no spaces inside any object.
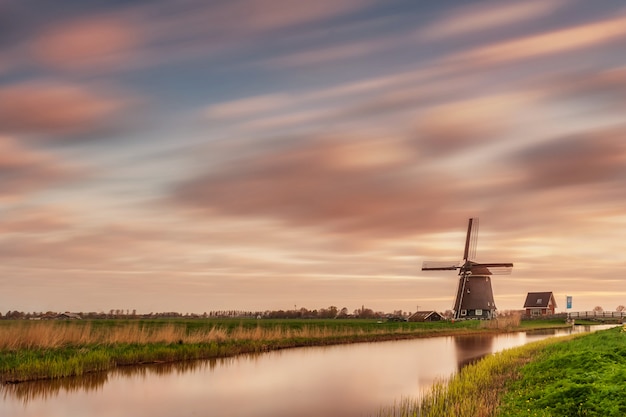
{"x":473,"y":392}
{"x":583,"y":377}
{"x":579,"y":375}
{"x":53,"y":349}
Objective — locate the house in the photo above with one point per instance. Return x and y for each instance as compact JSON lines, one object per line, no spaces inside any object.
{"x":425,"y":316}
{"x":539,"y":304}
{"x":68,"y":316}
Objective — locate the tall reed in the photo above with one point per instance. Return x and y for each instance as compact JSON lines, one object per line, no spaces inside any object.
{"x":53,"y":334}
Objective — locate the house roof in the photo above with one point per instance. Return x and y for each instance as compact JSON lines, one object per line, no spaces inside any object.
{"x":539,"y":300}
{"x":422,"y":315}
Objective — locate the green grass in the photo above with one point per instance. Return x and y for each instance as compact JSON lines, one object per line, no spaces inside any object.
{"x":583,"y":377}
{"x":546,"y":323}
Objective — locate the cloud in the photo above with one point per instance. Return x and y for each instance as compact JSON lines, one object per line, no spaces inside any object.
{"x":90,"y":43}
{"x":468,"y":20}
{"x":458,"y":125}
{"x":136,"y":36}
{"x":249,"y":106}
{"x":606,"y":86}
{"x":548,"y":43}
{"x":330,"y":54}
{"x":356,"y":188}
{"x":56,"y":108}
{"x":593,"y":158}
{"x":39,"y":219}
{"x":25,"y":170}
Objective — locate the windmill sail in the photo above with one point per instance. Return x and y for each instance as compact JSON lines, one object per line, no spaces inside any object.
{"x":470,"y":240}
{"x":439,"y":266}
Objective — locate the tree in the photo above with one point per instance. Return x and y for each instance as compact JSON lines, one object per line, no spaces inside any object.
{"x":620,"y":308}
{"x":598,"y":309}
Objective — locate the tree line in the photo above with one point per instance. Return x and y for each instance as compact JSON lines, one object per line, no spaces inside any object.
{"x":295,"y":313}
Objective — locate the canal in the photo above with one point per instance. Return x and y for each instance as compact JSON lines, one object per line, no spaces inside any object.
{"x":346,"y":380}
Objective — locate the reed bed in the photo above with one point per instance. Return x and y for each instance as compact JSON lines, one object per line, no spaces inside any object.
{"x":508,"y":322}
{"x":49,"y":335}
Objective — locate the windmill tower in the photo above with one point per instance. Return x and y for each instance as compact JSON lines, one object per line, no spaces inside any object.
{"x":474,"y":296}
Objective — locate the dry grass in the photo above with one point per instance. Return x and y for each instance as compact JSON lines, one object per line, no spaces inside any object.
{"x":505,"y":322}
{"x":52,"y":334}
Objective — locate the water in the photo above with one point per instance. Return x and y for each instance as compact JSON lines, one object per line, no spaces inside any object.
{"x":347,"y":380}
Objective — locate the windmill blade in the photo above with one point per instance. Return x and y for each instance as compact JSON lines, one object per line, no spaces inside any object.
{"x":471,"y":239}
{"x":474,"y":240}
{"x":439,"y":266}
{"x":467,"y":239}
{"x":491,"y":268}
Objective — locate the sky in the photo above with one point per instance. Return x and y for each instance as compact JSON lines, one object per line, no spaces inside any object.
{"x":194,"y":156}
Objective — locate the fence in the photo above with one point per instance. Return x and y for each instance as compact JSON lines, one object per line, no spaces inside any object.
{"x":597,"y":315}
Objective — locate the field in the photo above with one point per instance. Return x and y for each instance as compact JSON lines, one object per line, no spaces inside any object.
{"x":53,"y":349}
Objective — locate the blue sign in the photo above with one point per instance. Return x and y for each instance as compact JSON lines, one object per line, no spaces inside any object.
{"x":569,"y":301}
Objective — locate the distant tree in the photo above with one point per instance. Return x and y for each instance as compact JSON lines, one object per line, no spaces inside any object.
{"x":598,"y":309}
{"x":620,"y":308}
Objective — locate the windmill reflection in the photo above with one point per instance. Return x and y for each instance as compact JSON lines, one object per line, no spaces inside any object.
{"x":470,"y":349}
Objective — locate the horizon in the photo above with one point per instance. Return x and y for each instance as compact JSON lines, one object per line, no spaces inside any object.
{"x":256,"y":154}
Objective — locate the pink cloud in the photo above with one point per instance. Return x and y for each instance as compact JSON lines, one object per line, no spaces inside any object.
{"x":89,"y":43}
{"x":324,"y":184}
{"x":57,"y":108}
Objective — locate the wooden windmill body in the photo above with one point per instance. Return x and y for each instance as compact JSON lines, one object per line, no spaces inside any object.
{"x":474,"y":296}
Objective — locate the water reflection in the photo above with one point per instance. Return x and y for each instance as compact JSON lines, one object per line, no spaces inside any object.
{"x":44,"y":389}
{"x":347,"y":381}
{"x":470,"y":349}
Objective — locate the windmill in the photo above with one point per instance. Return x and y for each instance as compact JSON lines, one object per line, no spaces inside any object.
{"x":474,"y":296}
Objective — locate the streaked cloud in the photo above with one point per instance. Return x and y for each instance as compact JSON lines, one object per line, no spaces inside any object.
{"x":485,"y":16}
{"x":549,"y":43}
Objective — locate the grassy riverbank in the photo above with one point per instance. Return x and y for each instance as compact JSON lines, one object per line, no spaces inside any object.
{"x":579,"y":375}
{"x":583,"y":377}
{"x":53,"y":349}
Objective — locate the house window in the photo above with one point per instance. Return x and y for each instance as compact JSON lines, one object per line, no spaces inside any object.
{"x":539,"y":300}
{"x":479,"y":312}
{"x":464,"y":312}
